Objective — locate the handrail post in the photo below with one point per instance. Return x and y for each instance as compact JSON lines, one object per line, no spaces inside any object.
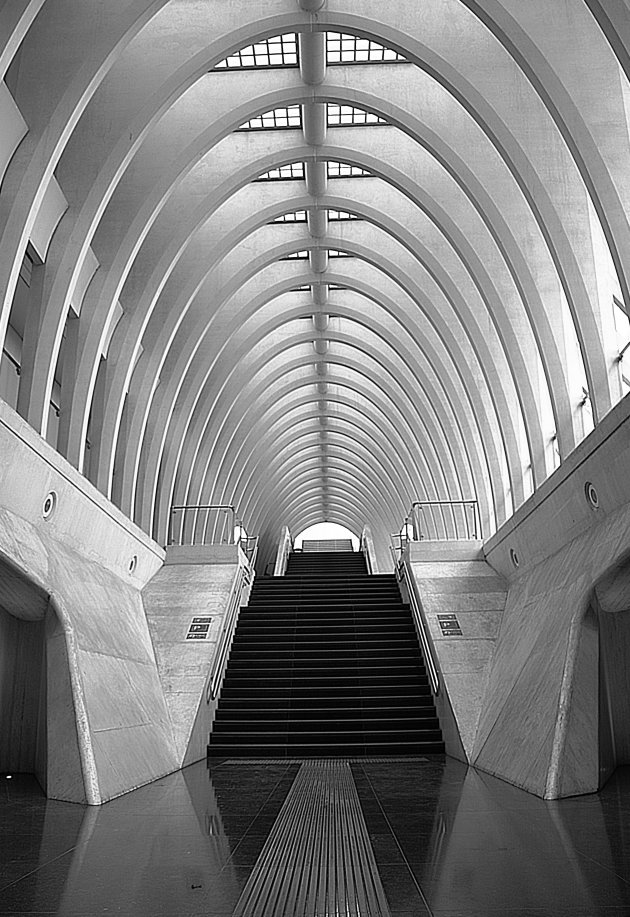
{"x":205,"y":527}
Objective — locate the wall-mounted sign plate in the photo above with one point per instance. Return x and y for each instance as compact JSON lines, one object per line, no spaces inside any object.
{"x":449,"y":625}
{"x":199,"y":628}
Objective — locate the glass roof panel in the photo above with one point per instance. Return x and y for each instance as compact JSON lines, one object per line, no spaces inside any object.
{"x":282,"y":51}
{"x":289,"y":172}
{"x":295,"y":216}
{"x":348,"y":115}
{"x":345,"y":170}
{"x":301,"y":255}
{"x":339,"y":215}
{"x":342,"y":48}
{"x":276,"y":119}
{"x":279,"y":51}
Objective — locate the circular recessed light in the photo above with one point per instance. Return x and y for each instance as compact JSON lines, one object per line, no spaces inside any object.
{"x":50,"y":503}
{"x":591,"y":495}
{"x":514,"y":557}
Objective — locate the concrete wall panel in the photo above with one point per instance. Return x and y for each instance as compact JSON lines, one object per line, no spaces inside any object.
{"x":452,"y":579}
{"x":109,"y":729}
{"x":539,"y":726}
{"x":178,"y":593}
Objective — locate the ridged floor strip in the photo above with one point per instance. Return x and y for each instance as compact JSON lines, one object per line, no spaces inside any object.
{"x":400,"y":759}
{"x":317,"y":860}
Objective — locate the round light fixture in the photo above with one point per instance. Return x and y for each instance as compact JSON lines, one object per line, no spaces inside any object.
{"x":50,"y":503}
{"x":591,"y":495}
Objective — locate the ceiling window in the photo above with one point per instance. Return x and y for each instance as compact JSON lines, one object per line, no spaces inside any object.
{"x":279,"y":51}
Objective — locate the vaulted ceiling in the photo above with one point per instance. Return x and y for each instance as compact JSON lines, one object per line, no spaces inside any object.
{"x":322,"y":277}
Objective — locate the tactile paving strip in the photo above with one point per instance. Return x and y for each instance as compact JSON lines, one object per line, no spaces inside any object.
{"x":258,"y":761}
{"x":318,"y":859}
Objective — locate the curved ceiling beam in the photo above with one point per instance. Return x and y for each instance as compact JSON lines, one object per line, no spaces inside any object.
{"x":226,"y":436}
{"x":539,"y":450}
{"x":409,"y":481}
{"x":194,"y":334}
{"x":245,"y":398}
{"x":197,"y":387}
{"x":590,"y":172}
{"x":79,"y":399}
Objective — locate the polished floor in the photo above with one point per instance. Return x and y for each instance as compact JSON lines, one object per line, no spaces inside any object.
{"x":381,"y":838}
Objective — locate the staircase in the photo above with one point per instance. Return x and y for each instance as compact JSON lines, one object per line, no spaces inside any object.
{"x":325,"y":662}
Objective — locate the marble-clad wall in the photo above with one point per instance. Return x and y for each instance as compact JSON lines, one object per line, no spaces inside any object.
{"x":453,"y":579}
{"x":193,"y":583}
{"x":107,"y":724}
{"x":123,"y":696}
{"x":523,"y":681}
{"x":540,"y":723}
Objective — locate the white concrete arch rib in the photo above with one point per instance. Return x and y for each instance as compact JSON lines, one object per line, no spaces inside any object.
{"x":168,"y":314}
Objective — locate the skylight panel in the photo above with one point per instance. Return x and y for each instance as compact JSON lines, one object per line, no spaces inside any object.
{"x":276,"y":119}
{"x":345,"y":170}
{"x":350,"y":49}
{"x":301,"y":255}
{"x":340,"y":215}
{"x":336,"y":253}
{"x":348,"y":115}
{"x":279,"y":51}
{"x":282,"y":51}
{"x":295,"y":216}
{"x":291,"y":172}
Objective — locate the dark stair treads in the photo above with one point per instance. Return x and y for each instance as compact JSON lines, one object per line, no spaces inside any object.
{"x":325,"y":661}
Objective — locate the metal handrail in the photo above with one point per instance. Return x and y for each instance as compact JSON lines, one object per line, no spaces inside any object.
{"x":452,"y":517}
{"x":230,"y":619}
{"x":287,"y":545}
{"x":421,"y":628}
{"x":363,"y":548}
{"x":249,"y":546}
{"x":195,"y":512}
{"x":368,"y":560}
{"x":397,"y":550}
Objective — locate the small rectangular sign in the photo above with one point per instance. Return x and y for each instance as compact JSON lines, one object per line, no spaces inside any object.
{"x":449,"y":625}
{"x":199,"y":627}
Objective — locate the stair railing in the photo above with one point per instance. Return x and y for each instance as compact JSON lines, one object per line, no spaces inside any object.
{"x":403,"y":575}
{"x":212,"y":523}
{"x":443,"y":520}
{"x":224,"y":643}
{"x":249,"y":546}
{"x":285,"y":547}
{"x":365,"y":547}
